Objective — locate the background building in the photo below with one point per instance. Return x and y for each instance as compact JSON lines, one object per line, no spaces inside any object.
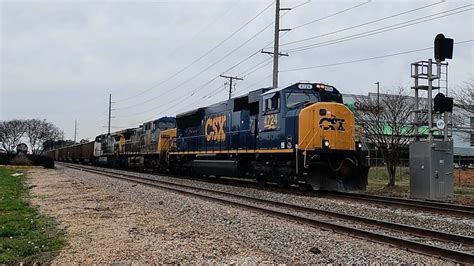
{"x":462,"y":134}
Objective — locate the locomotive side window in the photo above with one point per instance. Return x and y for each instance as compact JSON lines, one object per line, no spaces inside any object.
{"x":271,"y":103}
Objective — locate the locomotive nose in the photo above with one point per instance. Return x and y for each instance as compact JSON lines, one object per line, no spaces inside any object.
{"x":326,"y":125}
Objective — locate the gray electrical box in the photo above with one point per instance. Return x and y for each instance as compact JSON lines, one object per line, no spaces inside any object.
{"x":431,"y":170}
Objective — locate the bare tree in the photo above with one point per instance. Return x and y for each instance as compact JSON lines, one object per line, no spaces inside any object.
{"x":464,"y":97}
{"x":386,"y":124}
{"x":40,"y":131}
{"x":464,"y":101}
{"x":11,"y":133}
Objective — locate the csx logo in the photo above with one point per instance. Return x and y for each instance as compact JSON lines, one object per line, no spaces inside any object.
{"x":270,"y":121}
{"x":214,"y":128}
{"x":327,"y":123}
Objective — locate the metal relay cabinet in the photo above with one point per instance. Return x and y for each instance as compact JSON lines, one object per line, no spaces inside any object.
{"x":431,"y":170}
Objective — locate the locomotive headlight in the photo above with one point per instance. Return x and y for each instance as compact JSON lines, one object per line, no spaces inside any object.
{"x":326,"y":143}
{"x":359,"y":145}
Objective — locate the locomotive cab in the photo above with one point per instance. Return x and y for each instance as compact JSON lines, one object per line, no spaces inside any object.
{"x":312,"y":120}
{"x":280,"y":111}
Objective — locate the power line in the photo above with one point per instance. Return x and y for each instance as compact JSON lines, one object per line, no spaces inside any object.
{"x":368,"y":58}
{"x":110,"y":112}
{"x":286,"y":32}
{"x":194,"y":36}
{"x":331,"y":15}
{"x":265,"y":62}
{"x":242,"y":61}
{"x":246,"y":59}
{"x":259,"y":50}
{"x":203,"y":70}
{"x":379,"y":30}
{"x":173,"y":100}
{"x":195,"y":91}
{"x":202,"y":56}
{"x":231,"y":79}
{"x":365,"y":23}
{"x":257,"y":82}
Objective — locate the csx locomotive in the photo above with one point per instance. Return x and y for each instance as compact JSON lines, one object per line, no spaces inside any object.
{"x":302,"y":134}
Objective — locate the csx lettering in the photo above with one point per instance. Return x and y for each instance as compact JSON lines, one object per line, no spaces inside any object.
{"x":331,"y":123}
{"x":214,"y":128}
{"x":270,"y":121}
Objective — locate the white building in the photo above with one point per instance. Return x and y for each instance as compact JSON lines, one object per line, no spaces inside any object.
{"x":463,"y":137}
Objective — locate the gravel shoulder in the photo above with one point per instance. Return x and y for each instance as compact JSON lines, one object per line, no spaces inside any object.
{"x":112,"y":221}
{"x":433,"y":221}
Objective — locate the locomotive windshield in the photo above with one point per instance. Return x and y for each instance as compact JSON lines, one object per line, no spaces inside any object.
{"x":163,"y":125}
{"x":294,"y":99}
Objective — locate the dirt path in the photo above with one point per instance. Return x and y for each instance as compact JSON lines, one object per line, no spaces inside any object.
{"x":112,"y":221}
{"x":103,"y":229}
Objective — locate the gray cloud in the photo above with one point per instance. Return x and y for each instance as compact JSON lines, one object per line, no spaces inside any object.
{"x":59,"y":60}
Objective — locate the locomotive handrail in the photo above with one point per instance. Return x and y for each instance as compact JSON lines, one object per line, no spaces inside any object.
{"x":304,"y":153}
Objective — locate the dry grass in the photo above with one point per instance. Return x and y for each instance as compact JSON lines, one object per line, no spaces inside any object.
{"x":378,"y":178}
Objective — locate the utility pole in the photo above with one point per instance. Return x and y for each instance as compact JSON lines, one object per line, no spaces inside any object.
{"x":378,"y":96}
{"x":110,"y":112}
{"x":75,"y":130}
{"x":378,"y":124}
{"x":230,"y":82}
{"x":276,"y":43}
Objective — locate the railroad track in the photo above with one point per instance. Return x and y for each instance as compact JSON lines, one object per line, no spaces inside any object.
{"x":417,"y":205}
{"x":305,"y":215}
{"x":438,"y":207}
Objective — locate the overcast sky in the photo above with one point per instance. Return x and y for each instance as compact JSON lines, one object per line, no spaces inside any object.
{"x":61,"y":59}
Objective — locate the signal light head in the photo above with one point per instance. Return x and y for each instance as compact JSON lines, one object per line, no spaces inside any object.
{"x":443,"y":48}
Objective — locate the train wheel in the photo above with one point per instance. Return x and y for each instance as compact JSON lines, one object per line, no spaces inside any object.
{"x":283,"y":183}
{"x":304,"y":187}
{"x":261,"y":181}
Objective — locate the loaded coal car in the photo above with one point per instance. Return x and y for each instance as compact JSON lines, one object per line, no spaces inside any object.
{"x":302,"y":134}
{"x":76,"y":153}
{"x":87,"y":152}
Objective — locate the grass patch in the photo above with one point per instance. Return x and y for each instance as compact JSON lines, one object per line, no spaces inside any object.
{"x":378,"y":179}
{"x":25,"y":235}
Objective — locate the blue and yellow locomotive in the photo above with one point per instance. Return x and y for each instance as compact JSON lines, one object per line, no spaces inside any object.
{"x":302,"y":134}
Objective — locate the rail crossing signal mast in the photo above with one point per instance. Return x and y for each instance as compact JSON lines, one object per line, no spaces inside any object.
{"x":431,"y":153}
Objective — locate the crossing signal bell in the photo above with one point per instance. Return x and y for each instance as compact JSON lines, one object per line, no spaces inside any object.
{"x":443,"y":48}
{"x":443,"y":104}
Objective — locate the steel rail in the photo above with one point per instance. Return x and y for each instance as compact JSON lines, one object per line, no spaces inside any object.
{"x":458,"y":256}
{"x":452,"y":209}
{"x":433,"y":207}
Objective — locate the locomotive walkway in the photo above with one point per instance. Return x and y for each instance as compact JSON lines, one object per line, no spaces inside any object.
{"x":392,"y":233}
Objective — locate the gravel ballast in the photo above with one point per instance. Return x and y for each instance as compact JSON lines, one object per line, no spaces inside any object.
{"x":113,"y":221}
{"x":433,"y":221}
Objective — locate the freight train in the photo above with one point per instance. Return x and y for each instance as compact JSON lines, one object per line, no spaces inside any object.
{"x":302,"y":134}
